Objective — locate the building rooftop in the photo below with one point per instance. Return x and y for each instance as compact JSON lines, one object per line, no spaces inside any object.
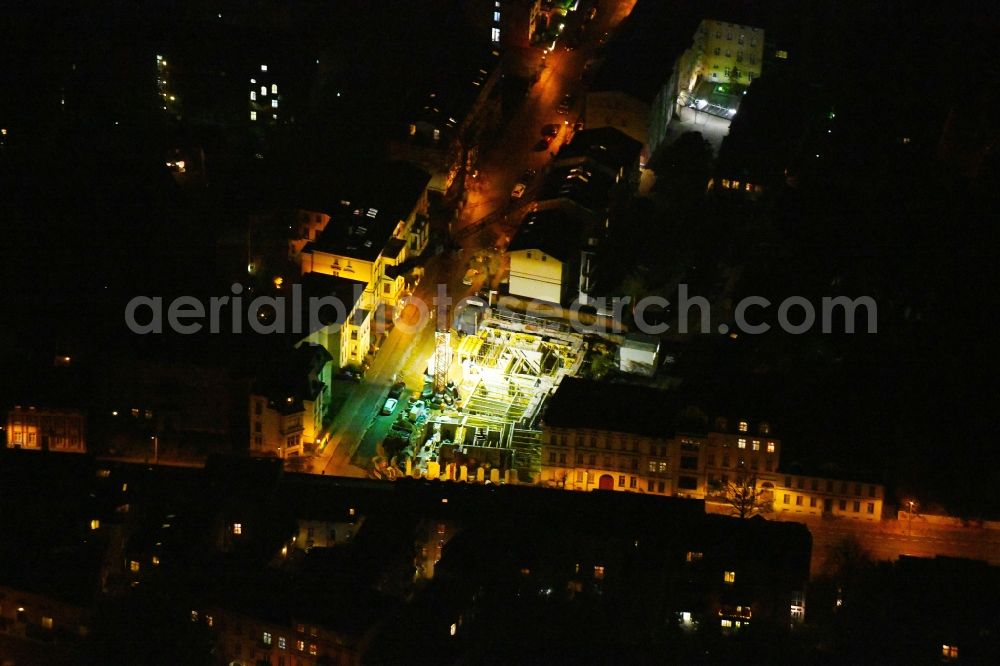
{"x":658,"y":31}
{"x":639,"y":410}
{"x":356,"y":232}
{"x":459,"y":79}
{"x":291,"y":379}
{"x":766,"y":135}
{"x":605,"y":145}
{"x":365,"y":208}
{"x":552,"y":231}
{"x":586,"y":184}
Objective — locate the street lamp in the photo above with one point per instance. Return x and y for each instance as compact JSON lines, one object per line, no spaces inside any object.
{"x":910,"y":504}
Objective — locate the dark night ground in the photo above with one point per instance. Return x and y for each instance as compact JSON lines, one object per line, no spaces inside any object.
{"x":87,"y":206}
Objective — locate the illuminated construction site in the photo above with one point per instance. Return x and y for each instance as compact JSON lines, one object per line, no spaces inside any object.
{"x":506,"y":368}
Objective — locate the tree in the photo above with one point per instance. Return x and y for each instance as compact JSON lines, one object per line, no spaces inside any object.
{"x":745,"y":498}
{"x":682,"y":171}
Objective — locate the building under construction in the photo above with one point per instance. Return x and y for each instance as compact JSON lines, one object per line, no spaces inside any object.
{"x":508,"y":368}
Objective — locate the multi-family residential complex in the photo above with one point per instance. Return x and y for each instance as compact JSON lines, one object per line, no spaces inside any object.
{"x":729,"y":52}
{"x":46,"y":429}
{"x":632,"y":438}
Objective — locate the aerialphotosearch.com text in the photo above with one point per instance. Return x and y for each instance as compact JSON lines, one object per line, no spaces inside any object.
{"x":653,"y":315}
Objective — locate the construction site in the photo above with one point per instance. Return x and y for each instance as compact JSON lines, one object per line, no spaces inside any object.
{"x":497,"y":381}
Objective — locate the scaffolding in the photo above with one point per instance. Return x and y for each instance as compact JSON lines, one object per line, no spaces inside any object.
{"x":442,"y":360}
{"x":507,"y":373}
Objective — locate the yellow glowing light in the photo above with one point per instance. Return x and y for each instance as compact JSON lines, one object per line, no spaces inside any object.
{"x":95,"y":524}
{"x":278,"y":281}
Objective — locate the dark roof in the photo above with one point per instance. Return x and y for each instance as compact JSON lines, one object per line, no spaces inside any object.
{"x":553,"y":231}
{"x":605,"y":145}
{"x":639,"y":410}
{"x":766,"y":135}
{"x":300,"y":322}
{"x":584,"y":183}
{"x":355,"y":231}
{"x":390,"y":186}
{"x":394,"y":247}
{"x":658,"y":31}
{"x":458,"y":80}
{"x":291,"y":378}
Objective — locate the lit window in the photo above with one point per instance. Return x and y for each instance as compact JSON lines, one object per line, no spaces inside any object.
{"x":156,"y":560}
{"x":263,"y":91}
{"x":209,"y":620}
{"x":266,"y":638}
{"x":453,"y":629}
{"x":495,"y":35}
{"x":95,"y":524}
{"x":263,"y":68}
{"x":282,"y":643}
{"x":496,"y":17}
{"x":253,"y":115}
{"x":741,"y":443}
{"x":437,"y":135}
{"x":694,"y":556}
{"x":756,"y":445}
{"x":949,"y":652}
{"x":194,"y":616}
{"x":274,"y":88}
{"x":312,"y":649}
{"x":237,"y":528}
{"x":729,"y":576}
{"x":744,"y":426}
{"x":599,"y":573}
{"x":274,"y":104}
{"x":770,"y":447}
{"x":253,"y":95}
{"x":783,"y":55}
{"x":300,"y":645}
{"x":133,"y":566}
{"x":727,"y":623}
{"x":46,"y":622}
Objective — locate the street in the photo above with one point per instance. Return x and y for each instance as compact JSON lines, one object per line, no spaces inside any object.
{"x":405,"y":353}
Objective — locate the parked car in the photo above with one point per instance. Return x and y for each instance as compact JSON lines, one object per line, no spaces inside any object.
{"x":518,"y":191}
{"x":354,"y":375}
{"x":551,"y":130}
{"x":397,"y":389}
{"x":564,"y":104}
{"x":389,"y":407}
{"x":528,"y":176}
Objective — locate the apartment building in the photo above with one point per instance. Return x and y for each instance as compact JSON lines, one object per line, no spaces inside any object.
{"x":369,"y":236}
{"x":825,"y":496}
{"x":62,"y":430}
{"x":289,"y":406}
{"x":729,"y":52}
{"x":636,"y":439}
